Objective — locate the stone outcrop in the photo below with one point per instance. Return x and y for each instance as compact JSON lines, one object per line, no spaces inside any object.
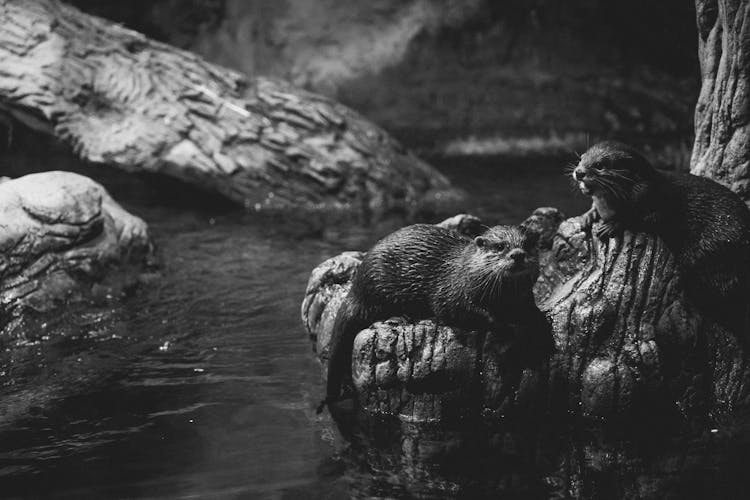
{"x":62,"y":236}
{"x":628,"y":342}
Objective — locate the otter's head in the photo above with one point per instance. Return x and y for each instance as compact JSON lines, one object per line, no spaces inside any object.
{"x":502,"y":260}
{"x":612,"y":170}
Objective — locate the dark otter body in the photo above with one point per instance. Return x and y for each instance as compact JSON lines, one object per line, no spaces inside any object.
{"x":425,"y":271}
{"x":704,"y":224}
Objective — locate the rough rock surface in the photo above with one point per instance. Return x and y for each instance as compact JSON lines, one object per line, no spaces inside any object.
{"x":627,"y":340}
{"x":62,"y":234}
{"x":119,"y":98}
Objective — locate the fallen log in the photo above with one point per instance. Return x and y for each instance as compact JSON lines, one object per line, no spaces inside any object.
{"x":119,"y":98}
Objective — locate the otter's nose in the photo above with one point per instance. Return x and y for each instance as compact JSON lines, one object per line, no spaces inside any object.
{"x":517,"y":255}
{"x":579,"y":173}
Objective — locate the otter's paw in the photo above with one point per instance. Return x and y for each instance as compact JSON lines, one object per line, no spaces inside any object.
{"x":608,"y":230}
{"x":590,"y":217}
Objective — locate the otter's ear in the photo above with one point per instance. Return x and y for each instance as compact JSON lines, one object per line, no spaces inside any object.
{"x":480,"y":241}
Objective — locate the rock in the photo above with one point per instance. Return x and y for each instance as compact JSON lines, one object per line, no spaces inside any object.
{"x":465,"y":224}
{"x":544,"y":222}
{"x":326,"y":288}
{"x":63,"y":236}
{"x":425,"y":372}
{"x":628,"y":342}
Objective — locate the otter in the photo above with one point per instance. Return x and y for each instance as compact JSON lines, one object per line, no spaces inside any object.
{"x":705,"y":225}
{"x":425,"y":271}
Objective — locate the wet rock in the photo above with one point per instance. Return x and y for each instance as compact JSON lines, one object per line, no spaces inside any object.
{"x":628,"y":340}
{"x":544,"y":222}
{"x":424,"y":371}
{"x":628,"y":343}
{"x":326,"y":288}
{"x":63,"y":237}
{"x":466,"y":224}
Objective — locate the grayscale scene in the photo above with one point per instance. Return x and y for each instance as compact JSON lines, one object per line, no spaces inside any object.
{"x":375,"y":249}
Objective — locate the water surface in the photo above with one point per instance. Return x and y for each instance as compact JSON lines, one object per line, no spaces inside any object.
{"x":203,"y":383}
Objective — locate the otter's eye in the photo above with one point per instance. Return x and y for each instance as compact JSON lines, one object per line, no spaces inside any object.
{"x":479,"y":241}
{"x":501,"y":247}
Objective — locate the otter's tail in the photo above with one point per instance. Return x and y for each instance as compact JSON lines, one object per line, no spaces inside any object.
{"x":350,"y":319}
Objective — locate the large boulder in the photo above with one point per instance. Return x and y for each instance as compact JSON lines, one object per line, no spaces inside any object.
{"x":628,"y":341}
{"x":63,"y":237}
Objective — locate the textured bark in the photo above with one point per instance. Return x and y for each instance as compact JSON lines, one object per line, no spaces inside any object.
{"x":627,"y":341}
{"x":62,"y":235}
{"x":119,"y":98}
{"x":722,"y":115}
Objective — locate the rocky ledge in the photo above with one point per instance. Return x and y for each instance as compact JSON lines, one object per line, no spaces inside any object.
{"x":63,"y":237}
{"x":627,"y":341}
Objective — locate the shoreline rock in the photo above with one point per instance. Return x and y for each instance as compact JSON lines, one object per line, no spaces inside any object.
{"x":63,"y":236}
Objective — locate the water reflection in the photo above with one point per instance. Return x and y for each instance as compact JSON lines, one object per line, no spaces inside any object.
{"x":541,"y":459}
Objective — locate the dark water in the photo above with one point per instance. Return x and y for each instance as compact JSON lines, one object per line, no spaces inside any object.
{"x":203,"y":384}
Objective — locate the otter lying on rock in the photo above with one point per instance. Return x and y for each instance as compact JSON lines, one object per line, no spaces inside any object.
{"x":424,"y":271}
{"x":704,"y":224}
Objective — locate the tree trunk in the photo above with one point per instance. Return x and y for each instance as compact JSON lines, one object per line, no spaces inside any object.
{"x":119,"y":98}
{"x":722,"y":115}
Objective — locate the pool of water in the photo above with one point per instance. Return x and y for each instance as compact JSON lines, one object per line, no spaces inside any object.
{"x":203,"y":384}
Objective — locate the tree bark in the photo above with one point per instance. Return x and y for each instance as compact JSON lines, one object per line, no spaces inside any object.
{"x":119,"y":98}
{"x":722,"y":114}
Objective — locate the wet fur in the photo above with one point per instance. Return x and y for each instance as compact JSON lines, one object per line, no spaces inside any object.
{"x":704,"y":224}
{"x":425,"y":271}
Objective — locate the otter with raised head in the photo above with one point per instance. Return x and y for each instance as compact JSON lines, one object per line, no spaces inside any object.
{"x":704,"y":224}
{"x":425,"y":271}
